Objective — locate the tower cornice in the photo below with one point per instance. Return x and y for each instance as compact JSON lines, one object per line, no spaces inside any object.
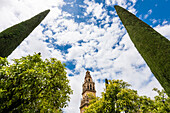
{"x":88,"y":90}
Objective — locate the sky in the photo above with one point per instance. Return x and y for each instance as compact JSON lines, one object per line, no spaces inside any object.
{"x":88,"y":35}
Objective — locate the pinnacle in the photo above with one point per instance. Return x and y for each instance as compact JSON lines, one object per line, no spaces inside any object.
{"x":88,"y":73}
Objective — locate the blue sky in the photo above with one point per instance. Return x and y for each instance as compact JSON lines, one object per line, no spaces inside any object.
{"x":87,"y":34}
{"x":159,"y":8}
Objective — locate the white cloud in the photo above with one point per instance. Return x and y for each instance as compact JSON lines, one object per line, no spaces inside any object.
{"x":153,"y":21}
{"x":76,"y":86}
{"x":14,"y":11}
{"x":164,"y":22}
{"x":163,"y":30}
{"x":118,"y":2}
{"x":147,"y":89}
{"x":149,"y":13}
{"x":96,"y":9}
{"x":134,"y":1}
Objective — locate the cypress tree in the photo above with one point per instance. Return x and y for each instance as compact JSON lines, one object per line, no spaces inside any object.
{"x":153,"y":47}
{"x":13,"y":36}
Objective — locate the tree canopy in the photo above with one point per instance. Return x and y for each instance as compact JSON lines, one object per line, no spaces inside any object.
{"x":13,"y":36}
{"x":119,"y":98}
{"x":153,"y":47}
{"x":33,"y":85}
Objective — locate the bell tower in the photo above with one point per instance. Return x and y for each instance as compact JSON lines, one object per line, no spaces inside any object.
{"x":88,"y":88}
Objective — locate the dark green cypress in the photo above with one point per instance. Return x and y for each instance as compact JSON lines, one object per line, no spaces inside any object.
{"x":13,"y":36}
{"x":153,"y":47}
{"x":106,"y":82}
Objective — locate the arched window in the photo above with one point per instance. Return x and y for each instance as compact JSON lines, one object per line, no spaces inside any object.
{"x":90,"y":87}
{"x":89,"y":80}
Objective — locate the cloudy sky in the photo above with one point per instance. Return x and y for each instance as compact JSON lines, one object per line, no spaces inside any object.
{"x":87,"y":34}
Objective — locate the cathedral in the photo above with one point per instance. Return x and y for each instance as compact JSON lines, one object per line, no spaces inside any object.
{"x":88,"y":89}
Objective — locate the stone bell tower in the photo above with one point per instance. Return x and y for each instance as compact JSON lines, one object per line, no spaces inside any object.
{"x":88,"y":88}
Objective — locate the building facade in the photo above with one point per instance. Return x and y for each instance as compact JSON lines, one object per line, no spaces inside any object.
{"x":88,"y":89}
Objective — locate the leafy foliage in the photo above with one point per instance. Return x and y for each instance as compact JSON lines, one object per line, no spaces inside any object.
{"x":13,"y":36}
{"x":153,"y":47}
{"x":119,"y":98}
{"x":33,"y":85}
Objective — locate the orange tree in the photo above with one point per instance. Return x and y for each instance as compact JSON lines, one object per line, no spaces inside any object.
{"x":119,"y":98}
{"x":33,"y":85}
